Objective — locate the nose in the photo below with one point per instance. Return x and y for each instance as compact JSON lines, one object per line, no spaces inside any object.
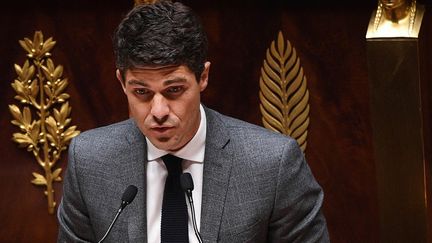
{"x":160,"y":109}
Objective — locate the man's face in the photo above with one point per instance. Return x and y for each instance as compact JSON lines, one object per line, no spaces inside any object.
{"x":164,"y":101}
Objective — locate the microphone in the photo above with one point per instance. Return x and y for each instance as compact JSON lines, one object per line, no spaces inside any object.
{"x":187,"y":185}
{"x":128,"y":196}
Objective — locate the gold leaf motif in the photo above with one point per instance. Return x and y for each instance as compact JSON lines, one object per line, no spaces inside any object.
{"x":51,"y":126}
{"x":26,"y":118}
{"x":64,"y":112}
{"x":39,"y":179}
{"x":69,"y":134}
{"x":46,"y":72}
{"x":48,"y":91}
{"x":58,"y":72}
{"x":18,"y":87}
{"x":22,"y":139}
{"x":34,"y":131}
{"x":16,"y":113}
{"x":25,"y":46}
{"x":61,"y":86}
{"x":283,"y":92}
{"x":48,"y":45}
{"x":63,"y":97}
{"x":34,"y":89}
{"x":56,"y":173}
{"x":40,"y":89}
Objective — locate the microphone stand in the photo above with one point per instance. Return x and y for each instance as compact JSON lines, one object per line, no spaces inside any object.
{"x":111,"y":225}
{"x":189,"y":196}
{"x":128,"y":196}
{"x":186,"y":183}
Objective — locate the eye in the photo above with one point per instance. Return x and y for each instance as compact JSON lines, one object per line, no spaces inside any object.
{"x":175,"y":89}
{"x":174,"y":92}
{"x":141,"y":91}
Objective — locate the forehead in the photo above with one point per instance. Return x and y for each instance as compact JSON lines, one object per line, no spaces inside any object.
{"x":158,"y":72}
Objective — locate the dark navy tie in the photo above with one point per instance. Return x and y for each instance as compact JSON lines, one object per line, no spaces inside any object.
{"x":174,"y":221}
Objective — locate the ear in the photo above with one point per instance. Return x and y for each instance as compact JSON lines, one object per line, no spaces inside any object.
{"x":120,"y":79}
{"x":204,"y":76}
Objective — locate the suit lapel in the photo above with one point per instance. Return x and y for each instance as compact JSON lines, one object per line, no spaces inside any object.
{"x":136,"y":174}
{"x":217,"y":168}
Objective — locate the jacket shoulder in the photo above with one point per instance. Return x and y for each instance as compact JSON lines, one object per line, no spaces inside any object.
{"x":107,"y":140}
{"x":245,"y":130}
{"x":115,"y":129}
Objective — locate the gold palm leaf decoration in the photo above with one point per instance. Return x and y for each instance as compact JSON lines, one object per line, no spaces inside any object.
{"x":40,"y":91}
{"x":283,"y":92}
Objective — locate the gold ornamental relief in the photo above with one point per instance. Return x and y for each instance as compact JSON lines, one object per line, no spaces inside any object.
{"x":43,"y":113}
{"x":283,"y":92}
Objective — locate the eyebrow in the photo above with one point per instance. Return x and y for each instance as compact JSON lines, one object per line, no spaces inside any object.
{"x":166,"y":82}
{"x":175,"y":80}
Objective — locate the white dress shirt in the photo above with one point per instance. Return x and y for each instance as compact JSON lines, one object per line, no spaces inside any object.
{"x":193,"y":158}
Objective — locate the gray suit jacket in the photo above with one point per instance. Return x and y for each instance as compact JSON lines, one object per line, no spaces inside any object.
{"x":257,"y":186}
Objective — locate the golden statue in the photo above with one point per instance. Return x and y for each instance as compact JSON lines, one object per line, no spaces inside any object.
{"x":396,"y":18}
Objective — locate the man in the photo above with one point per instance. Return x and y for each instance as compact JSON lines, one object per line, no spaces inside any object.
{"x":251,"y":185}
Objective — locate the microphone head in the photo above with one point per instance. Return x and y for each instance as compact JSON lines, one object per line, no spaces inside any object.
{"x":129,"y":194}
{"x":186,"y":182}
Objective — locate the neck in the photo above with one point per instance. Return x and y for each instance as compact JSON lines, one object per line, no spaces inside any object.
{"x":398,"y":12}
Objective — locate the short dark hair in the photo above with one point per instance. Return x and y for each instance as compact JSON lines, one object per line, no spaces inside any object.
{"x":163,"y":33}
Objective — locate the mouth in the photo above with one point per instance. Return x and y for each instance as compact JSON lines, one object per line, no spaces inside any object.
{"x":161,"y":129}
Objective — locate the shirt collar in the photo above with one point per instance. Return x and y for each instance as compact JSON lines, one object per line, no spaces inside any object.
{"x":192,"y":151}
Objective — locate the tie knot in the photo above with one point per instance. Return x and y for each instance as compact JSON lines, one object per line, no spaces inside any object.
{"x":173,"y":164}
